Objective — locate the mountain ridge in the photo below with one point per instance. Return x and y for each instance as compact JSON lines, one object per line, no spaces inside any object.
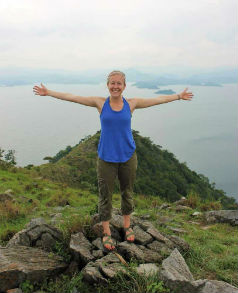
{"x":159,"y":172}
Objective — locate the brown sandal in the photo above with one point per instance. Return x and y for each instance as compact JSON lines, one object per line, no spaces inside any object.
{"x":131,"y":233}
{"x":108,"y":241}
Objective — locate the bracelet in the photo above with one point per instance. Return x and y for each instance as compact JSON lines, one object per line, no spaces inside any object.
{"x":179,"y":97}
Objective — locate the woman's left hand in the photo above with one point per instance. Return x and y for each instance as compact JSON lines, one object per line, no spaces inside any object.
{"x":185,"y":95}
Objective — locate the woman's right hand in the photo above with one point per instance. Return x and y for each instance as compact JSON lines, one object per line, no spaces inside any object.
{"x":40,"y":91}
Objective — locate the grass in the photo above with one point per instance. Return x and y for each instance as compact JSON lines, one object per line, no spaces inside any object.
{"x":128,"y":282}
{"x":213,"y":253}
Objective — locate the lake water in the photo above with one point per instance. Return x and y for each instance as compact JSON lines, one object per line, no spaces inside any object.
{"x":202,"y":133}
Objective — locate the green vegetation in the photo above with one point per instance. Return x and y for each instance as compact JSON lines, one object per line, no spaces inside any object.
{"x":160,"y":178}
{"x":9,"y":157}
{"x":159,"y":172}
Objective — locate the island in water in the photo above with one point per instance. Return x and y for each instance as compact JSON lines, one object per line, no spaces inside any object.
{"x":165,"y":92}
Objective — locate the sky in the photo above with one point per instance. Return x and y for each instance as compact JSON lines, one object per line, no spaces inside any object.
{"x":94,"y":34}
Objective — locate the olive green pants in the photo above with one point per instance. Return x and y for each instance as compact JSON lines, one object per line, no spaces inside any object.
{"x":107,"y":173}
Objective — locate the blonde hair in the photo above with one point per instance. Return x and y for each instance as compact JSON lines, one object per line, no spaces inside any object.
{"x":114,"y":72}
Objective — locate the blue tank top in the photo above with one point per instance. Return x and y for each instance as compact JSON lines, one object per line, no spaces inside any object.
{"x":116,"y":141}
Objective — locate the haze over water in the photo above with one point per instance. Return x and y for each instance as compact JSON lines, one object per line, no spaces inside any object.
{"x":202,"y":133}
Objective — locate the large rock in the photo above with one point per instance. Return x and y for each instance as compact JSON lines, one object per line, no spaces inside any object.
{"x":160,"y":247}
{"x":102,"y":269}
{"x":130,"y":250}
{"x":92,"y":275}
{"x":177,"y":276}
{"x":140,"y":253}
{"x":158,"y":236}
{"x":179,"y":243}
{"x":141,"y":236}
{"x":37,"y":233}
{"x":117,"y":221}
{"x":26,"y":263}
{"x":222,"y":216}
{"x":81,"y":248}
{"x":150,"y":256}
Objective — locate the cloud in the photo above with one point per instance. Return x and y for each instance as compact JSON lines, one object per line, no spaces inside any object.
{"x":94,"y":34}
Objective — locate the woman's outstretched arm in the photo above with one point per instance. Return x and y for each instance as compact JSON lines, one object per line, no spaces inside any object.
{"x":144,"y":103}
{"x":87,"y":101}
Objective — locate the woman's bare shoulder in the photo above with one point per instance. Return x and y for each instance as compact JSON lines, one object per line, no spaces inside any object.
{"x":100,"y":102}
{"x":132,"y":103}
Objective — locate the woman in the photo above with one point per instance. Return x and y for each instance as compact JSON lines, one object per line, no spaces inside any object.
{"x":116,"y":149}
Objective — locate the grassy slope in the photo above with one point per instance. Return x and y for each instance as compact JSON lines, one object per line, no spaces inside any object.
{"x":214,"y":248}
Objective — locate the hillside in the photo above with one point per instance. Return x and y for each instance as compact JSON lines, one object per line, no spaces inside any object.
{"x":159,"y":173}
{"x":25,"y":195}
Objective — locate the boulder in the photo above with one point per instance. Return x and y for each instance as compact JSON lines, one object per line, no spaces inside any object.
{"x":92,"y":275}
{"x":21,"y":263}
{"x":97,"y":243}
{"x":145,"y":225}
{"x":81,"y":248}
{"x":177,"y":276}
{"x":102,"y":269}
{"x":117,"y":221}
{"x":160,"y":247}
{"x":158,"y":236}
{"x":141,"y":236}
{"x":150,"y":255}
{"x":111,"y":269}
{"x":37,"y":233}
{"x":130,"y":250}
{"x":179,"y":243}
{"x":222,"y":216}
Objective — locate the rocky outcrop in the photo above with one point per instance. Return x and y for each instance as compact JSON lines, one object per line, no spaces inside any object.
{"x":21,"y":263}
{"x":150,"y":247}
{"x":37,"y":233}
{"x":155,"y":252}
{"x":222,"y":216}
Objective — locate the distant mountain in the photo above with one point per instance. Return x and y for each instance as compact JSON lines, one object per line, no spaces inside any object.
{"x":151,"y":80}
{"x":159,"y":172}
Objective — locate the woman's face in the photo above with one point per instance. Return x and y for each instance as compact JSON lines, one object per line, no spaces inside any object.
{"x":116,"y":85}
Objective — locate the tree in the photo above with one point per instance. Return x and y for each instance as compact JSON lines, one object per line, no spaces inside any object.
{"x":10,"y":157}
